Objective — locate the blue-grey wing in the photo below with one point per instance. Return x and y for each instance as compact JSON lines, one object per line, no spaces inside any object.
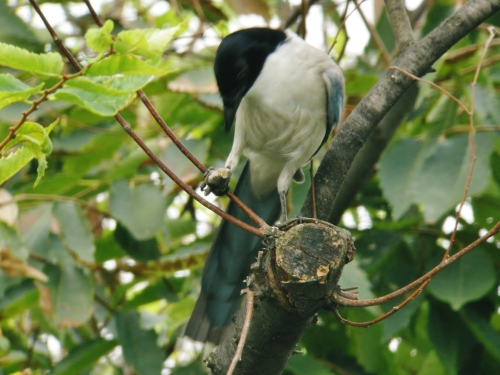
{"x":335,"y":99}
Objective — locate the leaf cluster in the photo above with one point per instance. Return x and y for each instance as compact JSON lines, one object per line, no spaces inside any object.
{"x":101,"y":254}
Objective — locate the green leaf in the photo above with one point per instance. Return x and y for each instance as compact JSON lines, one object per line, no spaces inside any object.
{"x":143,"y":250}
{"x":10,"y":242}
{"x":98,"y":103}
{"x":45,"y":64}
{"x":114,"y":85}
{"x":461,"y":282}
{"x":36,"y":233}
{"x":441,"y":182}
{"x":100,"y":39}
{"x":365,"y":343}
{"x":84,"y":356}
{"x":480,"y":326}
{"x":13,"y":90}
{"x":127,"y":64}
{"x":139,"y":346}
{"x":443,"y":115}
{"x":75,"y":230}
{"x":397,"y":169}
{"x":433,"y":174}
{"x":450,"y":339}
{"x":150,"y":43}
{"x":72,"y":295}
{"x":16,"y":31}
{"x":432,"y":365}
{"x":30,"y":132}
{"x":140,"y":210}
{"x":36,"y":143}
{"x":303,"y":364}
{"x":15,"y":161}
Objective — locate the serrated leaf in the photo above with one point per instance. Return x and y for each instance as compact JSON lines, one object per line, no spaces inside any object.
{"x":98,"y":103}
{"x":30,"y":132}
{"x":150,"y":43}
{"x":13,"y":90}
{"x":36,"y":144}
{"x":139,"y":346}
{"x":100,"y":39}
{"x":140,"y":210}
{"x":15,"y":161}
{"x":75,"y":230}
{"x":47,"y":64}
{"x":462,"y":282}
{"x":127,"y":64}
{"x":69,"y":295}
{"x":83,"y":357}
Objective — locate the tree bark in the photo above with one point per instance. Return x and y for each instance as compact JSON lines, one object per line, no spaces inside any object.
{"x":291,"y":281}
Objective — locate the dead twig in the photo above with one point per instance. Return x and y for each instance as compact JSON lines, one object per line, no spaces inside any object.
{"x":244,"y":331}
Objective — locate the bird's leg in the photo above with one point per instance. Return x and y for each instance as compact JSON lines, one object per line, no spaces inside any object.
{"x":284,"y":215}
{"x":313,"y":192}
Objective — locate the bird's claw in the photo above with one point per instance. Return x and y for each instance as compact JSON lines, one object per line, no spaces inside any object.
{"x":216,"y":181}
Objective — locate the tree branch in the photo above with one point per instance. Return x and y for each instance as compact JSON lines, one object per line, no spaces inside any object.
{"x":354,"y":132}
{"x":290,"y":285}
{"x":400,"y":23}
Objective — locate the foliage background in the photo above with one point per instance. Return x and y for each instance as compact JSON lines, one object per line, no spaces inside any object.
{"x":101,"y":260}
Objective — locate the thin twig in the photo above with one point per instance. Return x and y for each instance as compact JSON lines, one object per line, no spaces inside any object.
{"x":379,"y":44}
{"x":344,"y":18}
{"x":254,"y":217}
{"x":244,"y":331}
{"x":297,"y":11}
{"x":422,"y":282}
{"x":34,"y":106}
{"x":460,"y":129}
{"x":414,"y":77}
{"x":336,"y":299}
{"x":57,"y":198}
{"x":126,"y":126}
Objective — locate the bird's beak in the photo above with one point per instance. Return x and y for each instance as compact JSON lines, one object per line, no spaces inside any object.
{"x":229,"y":115}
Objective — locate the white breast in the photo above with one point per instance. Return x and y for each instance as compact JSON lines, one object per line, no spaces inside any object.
{"x":281,"y":121}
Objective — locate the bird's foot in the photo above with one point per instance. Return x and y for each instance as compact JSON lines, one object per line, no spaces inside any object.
{"x":216,"y":181}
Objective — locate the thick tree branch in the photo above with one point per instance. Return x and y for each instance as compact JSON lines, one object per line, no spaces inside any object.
{"x":290,"y":285}
{"x":400,"y":23}
{"x":354,"y":132}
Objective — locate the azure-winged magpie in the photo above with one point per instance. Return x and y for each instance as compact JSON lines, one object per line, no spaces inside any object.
{"x":285,"y":97}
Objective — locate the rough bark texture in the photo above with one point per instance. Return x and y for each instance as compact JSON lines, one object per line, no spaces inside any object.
{"x":292,"y":281}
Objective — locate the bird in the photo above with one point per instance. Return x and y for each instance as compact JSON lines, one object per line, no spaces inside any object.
{"x":284,"y":97}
